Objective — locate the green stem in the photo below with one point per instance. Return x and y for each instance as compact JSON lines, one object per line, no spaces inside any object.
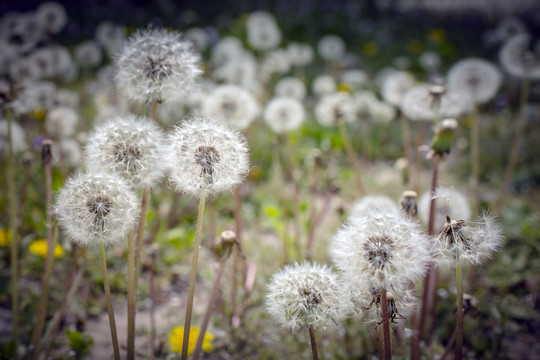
{"x":42,"y":309}
{"x":131,"y":300}
{"x":112,"y":323}
{"x":14,"y":257}
{"x":352,"y":157}
{"x":459,"y":323}
{"x":193,"y":276}
{"x":386,"y":326}
{"x":313,"y":343}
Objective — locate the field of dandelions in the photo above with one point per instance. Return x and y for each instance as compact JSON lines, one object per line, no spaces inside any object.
{"x":256,"y":192}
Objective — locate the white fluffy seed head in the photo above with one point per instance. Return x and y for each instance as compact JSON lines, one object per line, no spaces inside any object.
{"x":334,"y":108}
{"x":467,"y":242}
{"x":290,"y":87}
{"x":284,"y":114}
{"x":418,"y":104}
{"x":395,"y":86}
{"x":18,"y":138}
{"x":448,"y":201}
{"x":131,"y":146}
{"x":371,"y":202}
{"x":204,"y":154}
{"x":382,"y":249}
{"x":61,"y":122}
{"x":331,"y":48}
{"x":300,"y":54}
{"x":517,"y":59}
{"x":263,"y":32}
{"x":323,"y":85}
{"x":231,"y":105}
{"x":157,"y":65}
{"x":306,"y":295}
{"x":96,"y":207}
{"x":476,"y":77}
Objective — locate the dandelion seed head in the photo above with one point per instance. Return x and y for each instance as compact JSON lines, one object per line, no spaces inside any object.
{"x":306,"y":295}
{"x":369,"y":203}
{"x":241,"y":71}
{"x":131,"y":146}
{"x":381,"y":248}
{"x":18,"y":138}
{"x":355,"y":78}
{"x":334,"y":108}
{"x":517,"y":58}
{"x":263,"y":32}
{"x":300,"y":54}
{"x":448,"y":201}
{"x":203,"y":154}
{"x":88,"y":54}
{"x":323,"y":85}
{"x":421,"y":104}
{"x":231,"y":105}
{"x":467,"y":242}
{"x":284,"y":114}
{"x":52,"y":16}
{"x":61,"y":122}
{"x":96,"y":207}
{"x":331,"y":48}
{"x":395,"y":86}
{"x":290,"y":87}
{"x":476,"y":77}
{"x":156,"y":65}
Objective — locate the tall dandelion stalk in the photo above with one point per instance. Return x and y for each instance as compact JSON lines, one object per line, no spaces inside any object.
{"x":98,"y":209}
{"x":204,"y":158}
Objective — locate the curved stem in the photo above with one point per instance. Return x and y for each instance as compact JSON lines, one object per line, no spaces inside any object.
{"x":193,"y":276}
{"x":352,"y":158}
{"x":459,"y":323}
{"x":112,"y":323}
{"x":313,"y":343}
{"x":209,"y":309}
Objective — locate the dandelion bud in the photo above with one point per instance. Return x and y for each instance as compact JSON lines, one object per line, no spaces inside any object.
{"x":46,"y":155}
{"x":442,"y":141}
{"x":206,"y":155}
{"x":96,"y":207}
{"x":408,"y":203}
{"x":228,"y":240}
{"x":305,"y":295}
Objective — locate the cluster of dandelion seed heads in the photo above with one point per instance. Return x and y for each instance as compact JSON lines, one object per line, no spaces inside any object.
{"x":284,"y":114}
{"x":157,"y":65}
{"x":130,"y":145}
{"x":476,"y":77}
{"x":306,"y":295}
{"x":382,"y":248}
{"x":203,"y":154}
{"x":467,"y":242}
{"x":96,"y":207}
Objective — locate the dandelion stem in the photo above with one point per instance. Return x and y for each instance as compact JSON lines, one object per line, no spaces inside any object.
{"x":193,"y":276}
{"x":313,"y":343}
{"x":209,"y":309}
{"x":352,"y":157}
{"x":459,"y":323}
{"x":42,"y":309}
{"x":237,"y":258}
{"x":386,"y":326}
{"x":131,"y":297}
{"x":51,"y":243}
{"x":407,"y":147}
{"x":112,"y":323}
{"x":14,"y":256}
{"x":153,"y":301}
{"x":153,"y":110}
{"x":518,"y":137}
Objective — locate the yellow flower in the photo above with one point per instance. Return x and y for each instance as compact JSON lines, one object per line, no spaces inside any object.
{"x":39,"y":248}
{"x":437,"y":36}
{"x":5,"y":237}
{"x":371,"y":48}
{"x":344,"y":87}
{"x":177,"y":336}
